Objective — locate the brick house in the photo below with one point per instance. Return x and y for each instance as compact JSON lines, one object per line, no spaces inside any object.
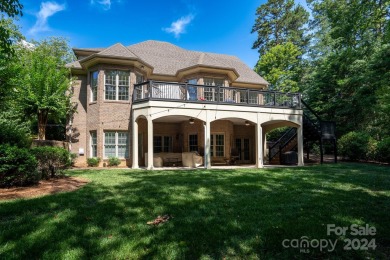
{"x":154,"y":97}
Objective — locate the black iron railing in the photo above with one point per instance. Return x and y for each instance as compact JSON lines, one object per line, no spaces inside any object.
{"x":172,"y":91}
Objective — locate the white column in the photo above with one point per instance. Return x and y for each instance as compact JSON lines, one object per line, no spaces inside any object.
{"x":259,"y":146}
{"x":207,"y":163}
{"x":300,"y":145}
{"x":150,"y":144}
{"x":135,"y":144}
{"x":264,"y":145}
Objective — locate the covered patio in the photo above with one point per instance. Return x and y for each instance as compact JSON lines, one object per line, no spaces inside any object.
{"x":220,"y":134}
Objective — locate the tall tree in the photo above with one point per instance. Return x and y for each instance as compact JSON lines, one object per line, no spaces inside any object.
{"x":281,"y":40}
{"x":43,"y":84}
{"x":10,"y":8}
{"x":281,"y":67}
{"x":280,"y":21}
{"x":7,"y":71}
{"x":347,"y":75}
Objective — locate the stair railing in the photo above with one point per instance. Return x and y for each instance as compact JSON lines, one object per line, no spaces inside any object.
{"x":277,"y":147}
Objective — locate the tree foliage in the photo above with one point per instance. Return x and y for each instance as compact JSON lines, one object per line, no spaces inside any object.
{"x":344,"y":71}
{"x":348,"y":77}
{"x":281,"y":67}
{"x":9,"y":35}
{"x":10,"y":8}
{"x":43,"y":84}
{"x":280,"y":21}
{"x":280,"y":26}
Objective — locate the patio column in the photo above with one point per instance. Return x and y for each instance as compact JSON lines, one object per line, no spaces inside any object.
{"x":300,"y":145}
{"x":259,"y":146}
{"x":135,"y":144}
{"x":207,"y":163}
{"x":264,"y":145}
{"x":150,"y":144}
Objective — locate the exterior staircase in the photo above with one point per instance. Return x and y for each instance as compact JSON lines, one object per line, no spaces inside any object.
{"x":284,"y":150}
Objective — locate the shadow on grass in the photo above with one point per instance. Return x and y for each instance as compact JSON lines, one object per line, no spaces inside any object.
{"x":220,"y":213}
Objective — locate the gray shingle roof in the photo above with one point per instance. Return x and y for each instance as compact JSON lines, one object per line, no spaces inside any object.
{"x":168,"y":59}
{"x":117,"y":50}
{"x":74,"y":64}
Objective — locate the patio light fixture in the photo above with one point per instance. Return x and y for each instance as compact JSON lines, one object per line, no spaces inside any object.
{"x":191,"y":121}
{"x":247,"y":123}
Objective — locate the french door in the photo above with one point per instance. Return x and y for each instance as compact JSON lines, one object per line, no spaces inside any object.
{"x":244,"y":150}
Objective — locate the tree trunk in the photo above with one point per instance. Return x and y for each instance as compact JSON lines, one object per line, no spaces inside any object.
{"x":42,"y":121}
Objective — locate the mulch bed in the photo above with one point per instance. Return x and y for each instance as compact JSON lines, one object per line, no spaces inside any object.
{"x":43,"y":188}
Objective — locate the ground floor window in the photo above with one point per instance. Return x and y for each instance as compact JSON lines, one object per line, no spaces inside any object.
{"x":217,"y":145}
{"x":162,"y":144}
{"x":93,"y":144}
{"x":193,"y":142}
{"x":116,"y":144}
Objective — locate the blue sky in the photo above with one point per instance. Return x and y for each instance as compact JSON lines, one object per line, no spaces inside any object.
{"x":203,"y":25}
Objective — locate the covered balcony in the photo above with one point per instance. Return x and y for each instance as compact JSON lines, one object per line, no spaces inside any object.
{"x":190,"y":93}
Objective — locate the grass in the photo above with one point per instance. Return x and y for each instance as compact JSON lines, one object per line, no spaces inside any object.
{"x":232,"y":214}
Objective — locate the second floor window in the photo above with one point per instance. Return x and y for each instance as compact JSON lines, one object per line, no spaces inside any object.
{"x":117,"y":85}
{"x":210,"y":93}
{"x":94,"y":85}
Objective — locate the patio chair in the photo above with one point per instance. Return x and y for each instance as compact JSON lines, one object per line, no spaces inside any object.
{"x":234,"y":156}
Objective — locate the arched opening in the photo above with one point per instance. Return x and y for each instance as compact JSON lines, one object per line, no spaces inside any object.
{"x":171,"y":139}
{"x":281,"y":142}
{"x":233,"y":141}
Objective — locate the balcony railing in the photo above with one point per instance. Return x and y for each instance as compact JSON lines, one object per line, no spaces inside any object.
{"x":183,"y":92}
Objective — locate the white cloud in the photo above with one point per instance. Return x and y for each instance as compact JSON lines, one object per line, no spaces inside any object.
{"x":105,"y":3}
{"x":47,"y":9}
{"x":178,"y":27}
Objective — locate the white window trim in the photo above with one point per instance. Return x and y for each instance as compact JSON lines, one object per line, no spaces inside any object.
{"x":116,"y":144}
{"x":90,"y":85}
{"x":214,"y":145}
{"x":91,"y":143}
{"x":117,"y":85}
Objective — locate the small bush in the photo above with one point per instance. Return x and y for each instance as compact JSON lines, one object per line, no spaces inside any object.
{"x":354,"y":145}
{"x":73,"y":157}
{"x":51,"y":160}
{"x":372,"y":146}
{"x":13,"y":131}
{"x":383,"y":150}
{"x":18,"y":167}
{"x":113,"y":161}
{"x":93,"y":162}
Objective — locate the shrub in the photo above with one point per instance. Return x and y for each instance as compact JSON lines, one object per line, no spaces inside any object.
{"x":372,"y":149}
{"x":93,"y":162}
{"x":51,"y":160}
{"x":383,"y":150}
{"x":113,"y":161}
{"x":354,"y":145}
{"x":13,"y":131}
{"x":18,"y":167}
{"x":73,"y":157}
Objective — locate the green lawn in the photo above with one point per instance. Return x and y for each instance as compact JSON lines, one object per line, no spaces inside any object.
{"x":239,"y":214}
